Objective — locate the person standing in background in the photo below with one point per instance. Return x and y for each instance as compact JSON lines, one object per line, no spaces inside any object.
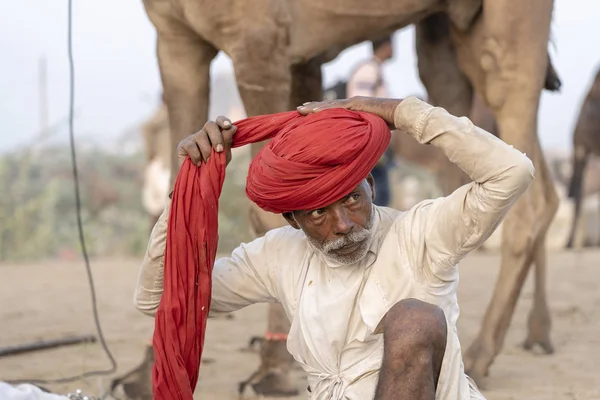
{"x":367,"y":80}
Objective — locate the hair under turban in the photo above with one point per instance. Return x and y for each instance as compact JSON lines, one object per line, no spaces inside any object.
{"x":311,"y":162}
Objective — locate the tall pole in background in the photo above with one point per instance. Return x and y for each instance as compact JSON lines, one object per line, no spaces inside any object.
{"x":43,"y":94}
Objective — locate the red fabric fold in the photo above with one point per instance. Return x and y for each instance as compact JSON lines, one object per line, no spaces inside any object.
{"x":312,"y":161}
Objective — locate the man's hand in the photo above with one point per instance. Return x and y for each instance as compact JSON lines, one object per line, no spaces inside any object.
{"x":217,"y":135}
{"x":384,"y":108}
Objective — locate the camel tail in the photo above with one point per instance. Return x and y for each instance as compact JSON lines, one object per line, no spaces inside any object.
{"x":575,"y":189}
{"x":552,"y":82}
{"x":575,"y":185}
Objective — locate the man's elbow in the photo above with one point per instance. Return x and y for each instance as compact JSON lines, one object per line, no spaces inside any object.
{"x":522,"y":173}
{"x":144,"y":305}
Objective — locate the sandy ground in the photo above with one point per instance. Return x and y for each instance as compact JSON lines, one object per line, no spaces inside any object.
{"x":51,"y":300}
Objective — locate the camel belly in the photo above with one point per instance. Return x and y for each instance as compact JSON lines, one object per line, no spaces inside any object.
{"x":320,"y":26}
{"x":315,"y":26}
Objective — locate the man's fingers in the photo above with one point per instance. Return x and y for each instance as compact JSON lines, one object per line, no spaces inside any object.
{"x":214,"y":135}
{"x":316,"y":106}
{"x":188,"y":147}
{"x":201,"y":139}
{"x":223,"y":122}
{"x":308,"y":108}
{"x":228,"y":135}
{"x":227,"y":130}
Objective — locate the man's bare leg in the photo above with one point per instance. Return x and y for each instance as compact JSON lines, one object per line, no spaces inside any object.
{"x":414,"y":344}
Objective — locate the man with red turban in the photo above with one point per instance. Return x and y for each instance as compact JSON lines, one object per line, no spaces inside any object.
{"x":370,"y":291}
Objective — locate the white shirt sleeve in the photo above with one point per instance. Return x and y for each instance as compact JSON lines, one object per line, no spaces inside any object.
{"x":242,"y":279}
{"x":441,"y":232}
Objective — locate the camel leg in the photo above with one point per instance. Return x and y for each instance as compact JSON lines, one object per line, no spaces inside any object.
{"x":539,"y":322}
{"x":306,"y":83}
{"x":264,"y":81}
{"x":509,"y":73}
{"x":184,"y":60}
{"x":446,"y":85}
{"x":137,"y":383}
{"x":483,"y":116}
{"x":305,"y":86}
{"x":580,"y":156}
{"x":523,"y":242}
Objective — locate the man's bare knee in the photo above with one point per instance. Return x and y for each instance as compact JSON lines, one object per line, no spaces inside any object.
{"x":412,"y":326}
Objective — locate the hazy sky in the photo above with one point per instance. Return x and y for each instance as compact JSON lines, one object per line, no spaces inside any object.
{"x":117,"y":81}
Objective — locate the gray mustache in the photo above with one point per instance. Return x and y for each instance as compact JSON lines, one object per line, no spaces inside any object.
{"x":350,"y":239}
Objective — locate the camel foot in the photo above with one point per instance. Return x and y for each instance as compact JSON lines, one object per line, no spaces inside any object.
{"x":275,"y":384}
{"x":255,"y":340}
{"x":541,"y":338}
{"x":539,"y":325}
{"x":477,"y":360}
{"x":137,"y":383}
{"x":252,"y":344}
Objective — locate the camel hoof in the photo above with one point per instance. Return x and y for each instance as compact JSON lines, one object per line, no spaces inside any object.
{"x":254,"y":341}
{"x":477,"y":361}
{"x":539,"y":330}
{"x":137,"y":384}
{"x":544,"y":344}
{"x":477,"y":378}
{"x":275,"y":384}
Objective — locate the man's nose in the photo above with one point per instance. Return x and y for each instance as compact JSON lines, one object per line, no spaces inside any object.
{"x":342,"y":224}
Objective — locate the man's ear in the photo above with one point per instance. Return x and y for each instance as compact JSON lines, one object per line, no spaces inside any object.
{"x":289,"y":217}
{"x":371,"y":182}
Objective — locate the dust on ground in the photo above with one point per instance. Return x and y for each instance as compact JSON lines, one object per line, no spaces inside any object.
{"x":51,"y":300}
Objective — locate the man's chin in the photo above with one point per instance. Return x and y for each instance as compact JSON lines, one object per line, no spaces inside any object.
{"x":347,"y":250}
{"x":351,"y":254}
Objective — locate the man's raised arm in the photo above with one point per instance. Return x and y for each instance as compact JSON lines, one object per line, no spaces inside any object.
{"x":448,"y":228}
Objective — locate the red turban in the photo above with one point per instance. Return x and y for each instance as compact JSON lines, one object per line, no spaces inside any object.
{"x":311,"y":162}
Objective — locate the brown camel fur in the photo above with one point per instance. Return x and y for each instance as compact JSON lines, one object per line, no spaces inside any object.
{"x":496,"y":48}
{"x":586,"y":142}
{"x":449,"y":177}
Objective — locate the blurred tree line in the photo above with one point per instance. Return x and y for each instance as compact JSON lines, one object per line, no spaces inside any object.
{"x":38,"y":214}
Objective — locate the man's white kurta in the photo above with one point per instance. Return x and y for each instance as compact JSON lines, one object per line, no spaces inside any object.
{"x":335,"y":310}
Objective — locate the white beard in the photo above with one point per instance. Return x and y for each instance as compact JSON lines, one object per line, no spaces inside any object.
{"x":360,"y":237}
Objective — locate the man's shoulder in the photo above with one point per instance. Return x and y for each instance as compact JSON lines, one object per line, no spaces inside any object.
{"x":279,"y":242}
{"x":409,"y":216}
{"x":279,"y":250}
{"x":388,"y":213}
{"x":285,"y":234}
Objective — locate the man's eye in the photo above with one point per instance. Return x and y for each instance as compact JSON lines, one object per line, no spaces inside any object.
{"x":316,"y":213}
{"x":353,"y":198}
